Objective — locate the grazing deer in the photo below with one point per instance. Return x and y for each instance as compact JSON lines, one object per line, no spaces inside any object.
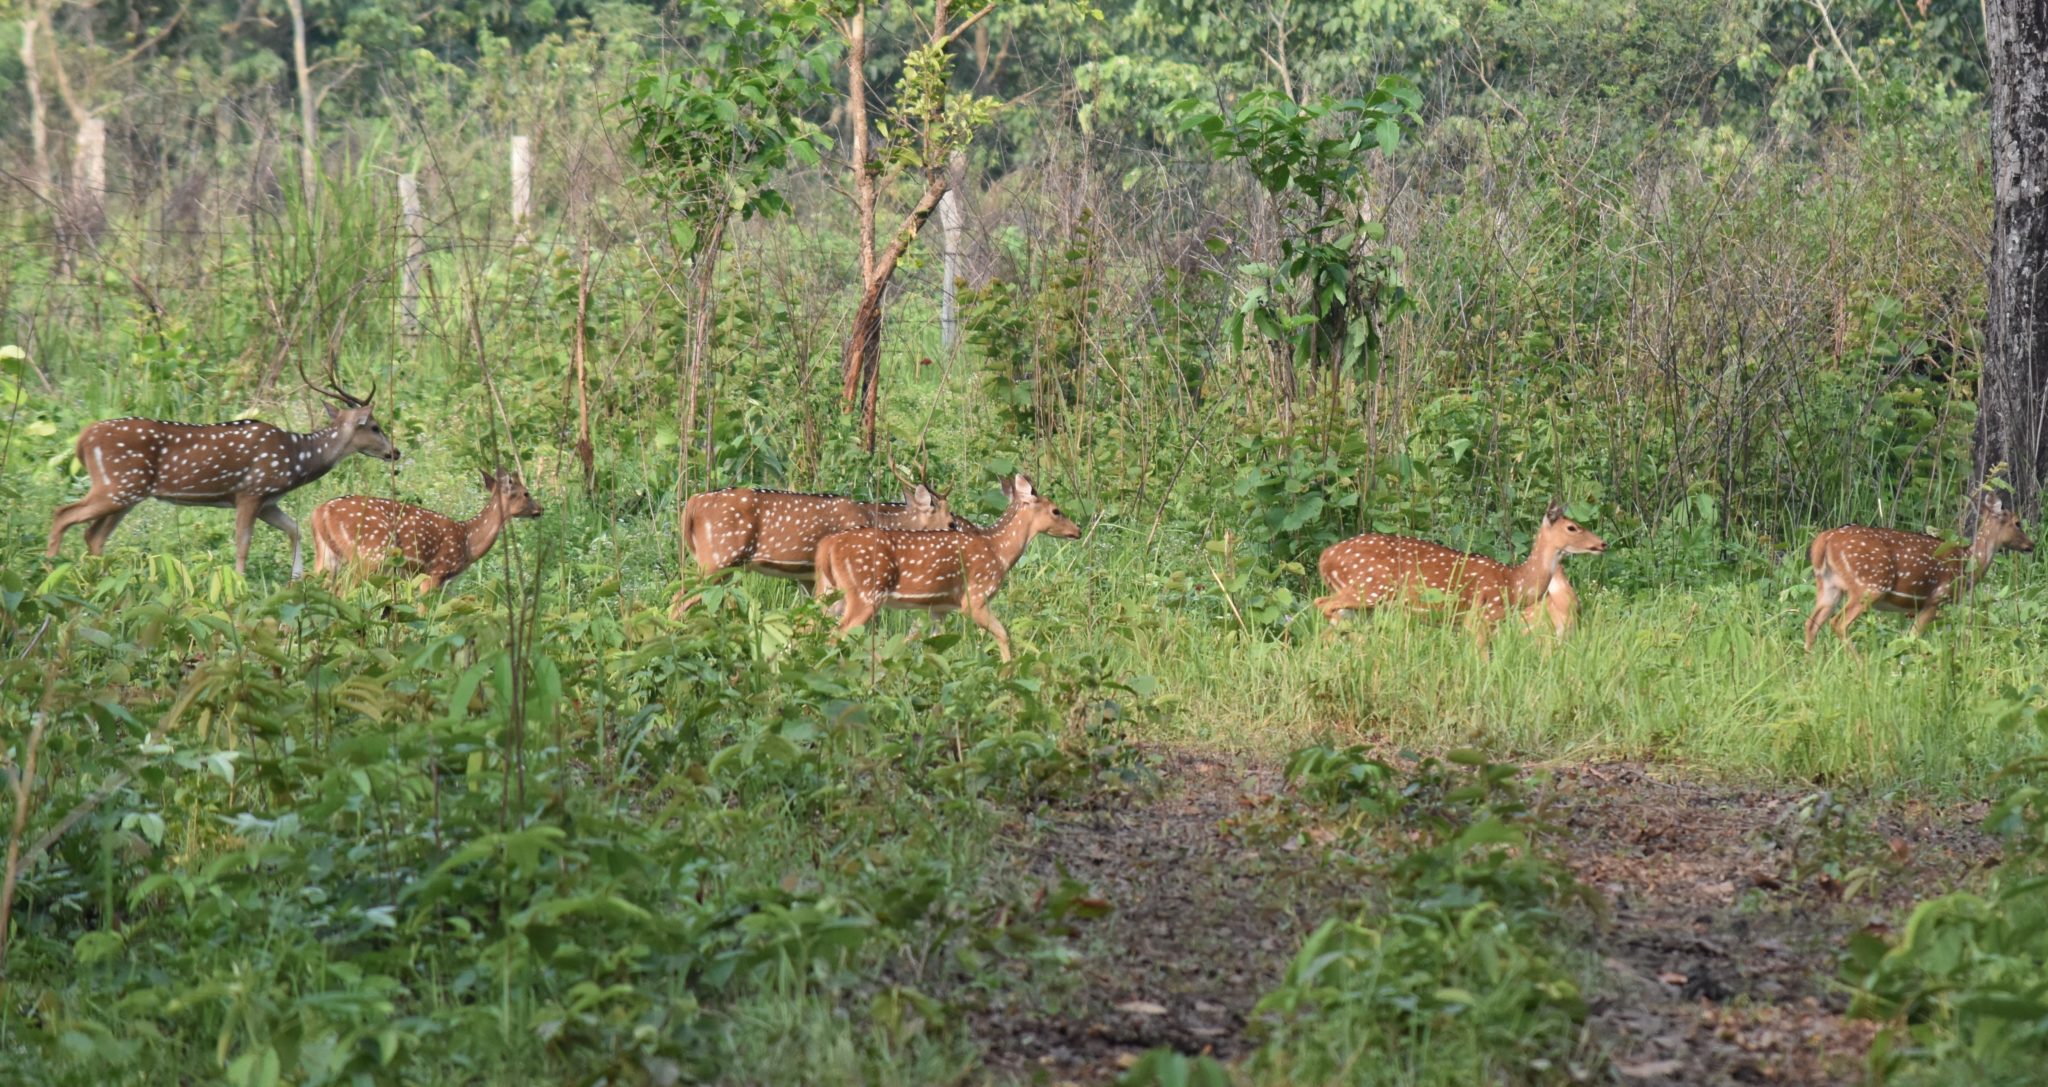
{"x":1902,"y":571}
{"x":937,"y":572}
{"x":1366,"y":571}
{"x":369,"y":530}
{"x":777,"y":532}
{"x":247,"y":465}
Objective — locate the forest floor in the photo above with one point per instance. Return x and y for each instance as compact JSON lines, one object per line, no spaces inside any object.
{"x":1726,"y":906}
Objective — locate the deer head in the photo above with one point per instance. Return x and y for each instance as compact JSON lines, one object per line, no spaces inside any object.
{"x":1037,"y":512}
{"x":1999,"y":527}
{"x":509,"y":495}
{"x":1570,"y":537}
{"x":928,"y":509}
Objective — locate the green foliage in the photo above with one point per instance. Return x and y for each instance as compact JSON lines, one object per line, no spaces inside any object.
{"x":1963,"y":987}
{"x":1324,"y":301}
{"x":1462,"y":967}
{"x":715,"y":138}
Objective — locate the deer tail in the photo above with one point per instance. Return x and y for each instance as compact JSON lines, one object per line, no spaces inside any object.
{"x":689,"y":527}
{"x":1817,"y":554}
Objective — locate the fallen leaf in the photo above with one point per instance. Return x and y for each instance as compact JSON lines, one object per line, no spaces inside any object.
{"x":1672,"y":977}
{"x":1127,"y":1060}
{"x":1650,"y":1069}
{"x":1141,"y":1007}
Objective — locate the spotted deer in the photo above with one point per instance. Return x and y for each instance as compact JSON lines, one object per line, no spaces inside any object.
{"x":368,"y":531}
{"x":1902,"y":571}
{"x":245,"y":465}
{"x":776,"y":533}
{"x":1366,"y":571}
{"x":937,"y":572}
{"x":1560,"y":604}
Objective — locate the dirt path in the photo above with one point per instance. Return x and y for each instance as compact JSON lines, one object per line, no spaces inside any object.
{"x":1726,"y":909}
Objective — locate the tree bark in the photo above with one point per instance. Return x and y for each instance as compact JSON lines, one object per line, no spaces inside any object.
{"x":415,"y":256}
{"x":584,"y":451}
{"x":952,"y":220}
{"x":2012,"y":419}
{"x":309,"y":133}
{"x":38,"y":113}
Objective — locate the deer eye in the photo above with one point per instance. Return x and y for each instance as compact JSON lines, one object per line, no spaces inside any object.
{"x":1571,"y":528}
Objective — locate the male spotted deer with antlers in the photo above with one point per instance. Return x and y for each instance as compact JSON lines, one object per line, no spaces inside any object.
{"x":245,"y":465}
{"x":1366,"y":571}
{"x":1902,"y":571}
{"x":776,"y":533}
{"x":937,"y":572}
{"x":367,"y":531}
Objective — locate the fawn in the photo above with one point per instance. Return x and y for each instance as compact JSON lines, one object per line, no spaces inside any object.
{"x":1902,"y":571}
{"x":246,"y":464}
{"x":367,"y":531}
{"x":937,"y":572}
{"x":1366,"y":571}
{"x":777,"y":532}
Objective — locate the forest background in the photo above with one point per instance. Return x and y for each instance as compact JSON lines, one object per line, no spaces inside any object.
{"x":1232,"y":281}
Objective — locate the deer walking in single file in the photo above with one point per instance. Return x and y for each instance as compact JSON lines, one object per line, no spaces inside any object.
{"x":777,"y":533}
{"x":245,"y":465}
{"x":937,"y":572}
{"x":1902,"y":571}
{"x":367,"y":531}
{"x":1366,"y":571}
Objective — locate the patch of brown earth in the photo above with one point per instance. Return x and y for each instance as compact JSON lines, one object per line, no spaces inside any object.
{"x":1726,"y":910}
{"x":1201,"y":926}
{"x":1727,"y":913}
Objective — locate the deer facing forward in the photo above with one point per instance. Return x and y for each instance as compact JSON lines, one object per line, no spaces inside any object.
{"x":246,"y":465}
{"x":1366,"y":571}
{"x":1902,"y":571}
{"x":777,"y":532}
{"x":367,"y":531}
{"x":937,"y":572}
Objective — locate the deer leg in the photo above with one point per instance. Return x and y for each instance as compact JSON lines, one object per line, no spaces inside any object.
{"x":1924,"y":616}
{"x":246,"y":506}
{"x":1826,"y":595}
{"x":1335,"y":605}
{"x":97,"y":532}
{"x":1849,"y":616}
{"x":277,"y":518}
{"x":855,"y":610}
{"x":977,"y":610}
{"x":89,"y":508}
{"x":686,"y":600}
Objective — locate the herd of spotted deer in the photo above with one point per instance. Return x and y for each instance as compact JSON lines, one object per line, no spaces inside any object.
{"x":913,"y":554}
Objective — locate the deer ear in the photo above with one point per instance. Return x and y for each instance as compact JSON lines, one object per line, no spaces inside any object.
{"x":333,"y":411}
{"x":490,"y":479}
{"x":1995,"y":504}
{"x":1024,"y":488}
{"x":1554,"y":513}
{"x":1009,"y":486}
{"x":922,"y":499}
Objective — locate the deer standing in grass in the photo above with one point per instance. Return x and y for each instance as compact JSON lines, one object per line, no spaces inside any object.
{"x":246,"y":465}
{"x":777,"y":532}
{"x":1367,"y":571}
{"x":1902,"y":571}
{"x":937,"y":572}
{"x":366,"y":531}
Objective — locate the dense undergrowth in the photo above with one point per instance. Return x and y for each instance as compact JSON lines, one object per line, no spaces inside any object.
{"x":533,"y":829}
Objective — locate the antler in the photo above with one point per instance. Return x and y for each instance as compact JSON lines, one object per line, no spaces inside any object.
{"x":333,"y":387}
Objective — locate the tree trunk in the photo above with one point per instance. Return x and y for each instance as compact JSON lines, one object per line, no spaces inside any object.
{"x":522,"y":186}
{"x":584,"y":452}
{"x":309,"y":133}
{"x":703,"y":278}
{"x":952,"y":219}
{"x":415,"y":256}
{"x":38,"y":116}
{"x":2012,"y":420}
{"x":88,"y":178}
{"x":865,"y":340}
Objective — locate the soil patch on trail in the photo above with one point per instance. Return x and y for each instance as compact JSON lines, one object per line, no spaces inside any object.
{"x":1727,"y":906}
{"x":1200,"y":926}
{"x":1728,"y":909}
